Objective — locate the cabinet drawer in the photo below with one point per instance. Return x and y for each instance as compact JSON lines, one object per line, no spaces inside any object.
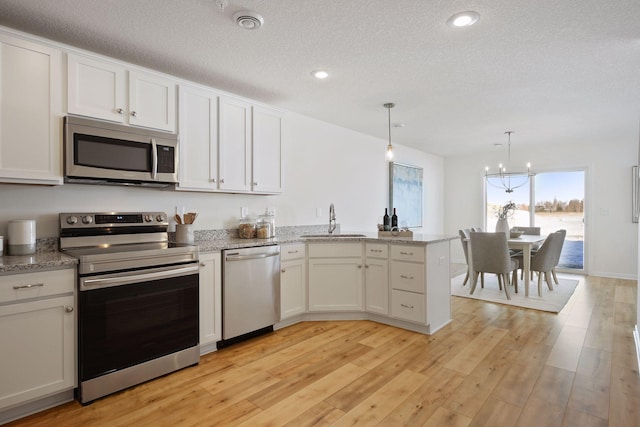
{"x":292,"y":251}
{"x":407,"y":276}
{"x":16,"y":287}
{"x":408,"y":306}
{"x":335,"y":250}
{"x":408,"y":253}
{"x":374,"y":250}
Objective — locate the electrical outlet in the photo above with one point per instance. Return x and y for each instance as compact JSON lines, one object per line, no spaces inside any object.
{"x":244,"y":211}
{"x":271,"y":211}
{"x":318,"y":212}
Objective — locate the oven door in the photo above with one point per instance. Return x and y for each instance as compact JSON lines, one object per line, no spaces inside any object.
{"x":128,"y":318}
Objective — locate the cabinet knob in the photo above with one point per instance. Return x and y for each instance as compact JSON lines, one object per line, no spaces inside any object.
{"x":359,"y":266}
{"x":134,"y":114}
{"x":366,"y":266}
{"x":222,"y":181}
{"x":255,"y":183}
{"x":68,"y":309}
{"x":120,"y":111}
{"x":202,"y":264}
{"x":213,"y":180}
{"x":283,"y":270}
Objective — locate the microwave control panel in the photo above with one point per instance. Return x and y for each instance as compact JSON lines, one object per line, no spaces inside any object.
{"x":166,"y":159}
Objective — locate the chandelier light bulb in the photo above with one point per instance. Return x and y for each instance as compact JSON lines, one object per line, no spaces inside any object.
{"x":389,"y":152}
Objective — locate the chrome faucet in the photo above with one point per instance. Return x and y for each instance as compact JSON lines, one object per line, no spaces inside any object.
{"x":332,"y":219}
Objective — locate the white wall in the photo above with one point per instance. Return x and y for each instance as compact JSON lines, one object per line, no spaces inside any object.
{"x":323,"y":164}
{"x":611,"y":247}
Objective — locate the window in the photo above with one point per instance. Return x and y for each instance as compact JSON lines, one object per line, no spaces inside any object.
{"x":551,"y":201}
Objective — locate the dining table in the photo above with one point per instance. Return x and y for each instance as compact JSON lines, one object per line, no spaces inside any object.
{"x":524,"y":243}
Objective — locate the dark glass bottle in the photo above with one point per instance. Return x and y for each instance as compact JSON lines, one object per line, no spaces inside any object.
{"x":386,"y":222}
{"x":394,"y":219}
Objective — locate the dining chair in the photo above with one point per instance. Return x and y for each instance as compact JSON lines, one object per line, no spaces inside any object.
{"x":464,"y":239}
{"x":491,"y":255}
{"x":544,"y":260}
{"x":563,"y":234}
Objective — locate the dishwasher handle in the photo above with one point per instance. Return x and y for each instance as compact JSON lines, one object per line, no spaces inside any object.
{"x":238,"y":257}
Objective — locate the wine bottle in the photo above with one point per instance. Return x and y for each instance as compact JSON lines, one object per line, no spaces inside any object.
{"x":386,"y":222}
{"x":394,"y":219}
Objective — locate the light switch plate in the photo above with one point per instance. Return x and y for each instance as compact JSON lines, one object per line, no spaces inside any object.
{"x":318,"y":212}
{"x":244,"y":211}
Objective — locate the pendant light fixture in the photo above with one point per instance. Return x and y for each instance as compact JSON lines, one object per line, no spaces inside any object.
{"x":389,"y":106}
{"x":509,"y":181}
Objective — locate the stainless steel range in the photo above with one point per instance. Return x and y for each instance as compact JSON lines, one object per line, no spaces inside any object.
{"x":138,"y":315}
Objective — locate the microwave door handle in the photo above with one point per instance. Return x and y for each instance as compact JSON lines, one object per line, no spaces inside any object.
{"x":154,"y":157}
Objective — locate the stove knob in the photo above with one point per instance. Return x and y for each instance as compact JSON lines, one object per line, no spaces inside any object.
{"x":160,"y":218}
{"x":87,"y":219}
{"x":148,"y":218}
{"x":72,"y":219}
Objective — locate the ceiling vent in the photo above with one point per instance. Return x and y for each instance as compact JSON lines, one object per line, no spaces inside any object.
{"x":248,"y":20}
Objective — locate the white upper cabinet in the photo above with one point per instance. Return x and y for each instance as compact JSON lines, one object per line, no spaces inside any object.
{"x":30,"y":112}
{"x":235,"y":144}
{"x":267,"y":150}
{"x":109,"y":91}
{"x":198,"y":129}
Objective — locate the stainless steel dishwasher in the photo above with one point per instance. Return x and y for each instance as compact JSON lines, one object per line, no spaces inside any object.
{"x":250,"y":292}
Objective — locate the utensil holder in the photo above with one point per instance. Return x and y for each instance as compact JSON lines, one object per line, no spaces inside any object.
{"x":184,"y":234}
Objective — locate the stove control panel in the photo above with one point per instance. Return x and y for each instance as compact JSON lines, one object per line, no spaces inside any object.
{"x":113,"y":220}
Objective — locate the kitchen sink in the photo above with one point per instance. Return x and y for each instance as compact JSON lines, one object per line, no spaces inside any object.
{"x":333,"y":236}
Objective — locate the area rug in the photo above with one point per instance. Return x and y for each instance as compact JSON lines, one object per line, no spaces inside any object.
{"x":552,"y":301}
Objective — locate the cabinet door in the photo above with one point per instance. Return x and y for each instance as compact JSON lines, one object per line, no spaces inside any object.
{"x":292,"y":288}
{"x":38,"y":356}
{"x":152,"y":101}
{"x":267,"y":150}
{"x":96,"y":89}
{"x":210,"y":300}
{"x":335,"y":284}
{"x":198,"y":128}
{"x":377,"y":286}
{"x":30,"y":112}
{"x":234,"y":144}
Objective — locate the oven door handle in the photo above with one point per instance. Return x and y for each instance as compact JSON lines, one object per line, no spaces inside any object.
{"x":129,"y":278}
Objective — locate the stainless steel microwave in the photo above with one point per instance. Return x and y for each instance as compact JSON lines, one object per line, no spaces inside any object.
{"x":99,"y":152}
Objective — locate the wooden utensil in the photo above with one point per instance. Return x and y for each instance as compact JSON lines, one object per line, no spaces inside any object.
{"x":177,"y":218}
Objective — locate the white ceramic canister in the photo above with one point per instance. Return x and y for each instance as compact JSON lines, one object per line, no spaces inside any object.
{"x":21,"y":237}
{"x":184,"y":234}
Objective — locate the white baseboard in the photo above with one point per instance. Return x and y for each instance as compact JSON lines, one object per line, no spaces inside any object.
{"x":636,"y":338}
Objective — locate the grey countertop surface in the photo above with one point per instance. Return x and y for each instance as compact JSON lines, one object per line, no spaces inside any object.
{"x":54,"y":260}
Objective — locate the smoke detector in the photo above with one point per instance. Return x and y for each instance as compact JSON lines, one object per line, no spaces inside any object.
{"x":248,"y":20}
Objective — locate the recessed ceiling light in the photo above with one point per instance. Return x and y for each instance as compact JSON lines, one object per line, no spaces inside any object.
{"x":463,"y":19}
{"x":320,"y":74}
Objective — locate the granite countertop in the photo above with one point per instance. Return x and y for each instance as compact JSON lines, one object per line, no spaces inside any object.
{"x":38,"y":261}
{"x":51,"y":259}
{"x":214,"y":245}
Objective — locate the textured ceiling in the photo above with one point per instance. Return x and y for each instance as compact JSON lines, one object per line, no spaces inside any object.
{"x":553,"y":71}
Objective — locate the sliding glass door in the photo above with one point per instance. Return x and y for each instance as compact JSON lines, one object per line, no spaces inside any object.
{"x":549,"y":200}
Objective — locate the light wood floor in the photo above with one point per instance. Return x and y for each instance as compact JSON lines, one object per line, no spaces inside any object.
{"x":494,"y":365}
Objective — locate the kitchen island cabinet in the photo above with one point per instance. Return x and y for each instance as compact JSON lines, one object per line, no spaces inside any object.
{"x":376,"y":280}
{"x":335,"y":277}
{"x":31,"y":111}
{"x":293,"y":276}
{"x":37,"y":331}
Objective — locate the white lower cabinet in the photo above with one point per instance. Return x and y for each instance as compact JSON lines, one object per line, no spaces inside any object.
{"x":335,"y":277}
{"x":37,"y":332}
{"x":408,"y":299}
{"x":30,"y":112}
{"x":210,"y":301}
{"x":376,"y":280}
{"x":292,"y":280}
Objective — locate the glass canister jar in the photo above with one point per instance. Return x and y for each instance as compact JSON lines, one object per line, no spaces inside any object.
{"x":266,"y":226}
{"x":247,"y":228}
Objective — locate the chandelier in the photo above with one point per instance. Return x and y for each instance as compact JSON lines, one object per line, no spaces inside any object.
{"x":508,"y":181}
{"x":389,"y":106}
